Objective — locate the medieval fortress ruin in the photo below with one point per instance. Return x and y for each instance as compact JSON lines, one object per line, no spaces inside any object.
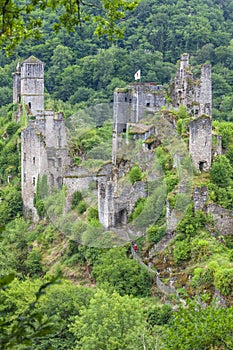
{"x":44,"y":150}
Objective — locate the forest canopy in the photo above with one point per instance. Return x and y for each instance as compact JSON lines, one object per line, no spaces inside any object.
{"x":22,"y":19}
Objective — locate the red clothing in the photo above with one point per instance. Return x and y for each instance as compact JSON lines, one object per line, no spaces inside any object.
{"x":135,"y":247}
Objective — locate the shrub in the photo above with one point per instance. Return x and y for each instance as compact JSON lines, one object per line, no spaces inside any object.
{"x":92,"y":213}
{"x":77,"y":197}
{"x":221,"y":171}
{"x":139,"y":208}
{"x":160,"y":315}
{"x":33,"y":263}
{"x":223,"y":279}
{"x":82,"y":207}
{"x":155,"y":233}
{"x":135,"y":174}
{"x":182,"y":251}
{"x":171,"y":182}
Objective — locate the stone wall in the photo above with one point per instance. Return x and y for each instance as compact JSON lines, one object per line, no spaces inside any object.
{"x":117,"y":200}
{"x":43,"y":152}
{"x":200,"y":142}
{"x":223,"y":218}
{"x":76,"y":179}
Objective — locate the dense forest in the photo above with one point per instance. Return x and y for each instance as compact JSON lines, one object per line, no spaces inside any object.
{"x":56,"y":293}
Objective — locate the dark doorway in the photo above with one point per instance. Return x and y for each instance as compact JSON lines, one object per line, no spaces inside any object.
{"x":202,"y":166}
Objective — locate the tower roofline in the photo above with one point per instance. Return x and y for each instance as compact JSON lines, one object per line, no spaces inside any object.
{"x":33,"y":59}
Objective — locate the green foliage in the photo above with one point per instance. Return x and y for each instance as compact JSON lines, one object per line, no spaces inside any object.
{"x":181,"y":113}
{"x":10,"y":205}
{"x":171,"y":181}
{"x":135,"y":174}
{"x":155,"y":233}
{"x":77,"y":197}
{"x":163,"y":158}
{"x":182,"y":251}
{"x":223,"y":279}
{"x":42,"y":192}
{"x":81,"y":207}
{"x":220,"y":195}
{"x":159,"y":315}
{"x":110,"y":322}
{"x":221,"y":171}
{"x":140,"y":205}
{"x":21,"y":322}
{"x":19,"y":22}
{"x":33,"y":263}
{"x":191,"y":222}
{"x":196,"y":328}
{"x":114,"y":271}
{"x":92,"y":213}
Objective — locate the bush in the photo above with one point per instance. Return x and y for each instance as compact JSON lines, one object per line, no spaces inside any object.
{"x":223,"y":279}
{"x":115,"y":271}
{"x":138,"y":208}
{"x":221,"y":171}
{"x":135,"y":174}
{"x":77,"y":197}
{"x":160,"y":315}
{"x":155,"y":233}
{"x":82,"y":207}
{"x":92,"y":213}
{"x":182,"y":251}
{"x":33,"y":263}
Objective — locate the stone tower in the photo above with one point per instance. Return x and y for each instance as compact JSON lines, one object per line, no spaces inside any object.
{"x":28,"y":85}
{"x":44,"y":152}
{"x":205,"y":90}
{"x":130,"y":106}
{"x":200,"y":142}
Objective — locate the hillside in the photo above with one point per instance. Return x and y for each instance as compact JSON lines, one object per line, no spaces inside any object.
{"x":64,"y":285}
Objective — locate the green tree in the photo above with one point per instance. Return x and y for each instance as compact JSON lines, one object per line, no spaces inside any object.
{"x":110,"y":322}
{"x":221,"y":171}
{"x":196,"y":328}
{"x":114,"y":271}
{"x":18,"y":22}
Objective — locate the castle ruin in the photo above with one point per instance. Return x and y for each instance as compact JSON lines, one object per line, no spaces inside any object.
{"x":43,"y":141}
{"x":44,"y":149}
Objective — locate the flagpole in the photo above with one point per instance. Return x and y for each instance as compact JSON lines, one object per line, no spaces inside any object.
{"x":137,"y":76}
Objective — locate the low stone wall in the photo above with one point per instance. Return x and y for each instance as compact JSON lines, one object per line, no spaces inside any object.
{"x":223,"y":218}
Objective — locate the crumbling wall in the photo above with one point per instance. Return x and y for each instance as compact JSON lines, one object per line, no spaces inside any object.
{"x":116,"y":201}
{"x":33,"y":164}
{"x":223,"y":218}
{"x":200,"y":142}
{"x":194,"y":94}
{"x":76,"y":179}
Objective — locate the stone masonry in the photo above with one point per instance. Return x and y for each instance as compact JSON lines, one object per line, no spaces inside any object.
{"x":28,"y":85}
{"x":44,"y":140}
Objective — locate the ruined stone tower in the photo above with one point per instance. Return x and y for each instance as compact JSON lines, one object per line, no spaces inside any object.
{"x":200,"y":142}
{"x":43,"y":142}
{"x":131,"y":104}
{"x":194,"y":94}
{"x":28,"y":85}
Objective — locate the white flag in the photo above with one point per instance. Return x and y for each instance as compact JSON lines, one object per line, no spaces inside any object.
{"x":137,"y":75}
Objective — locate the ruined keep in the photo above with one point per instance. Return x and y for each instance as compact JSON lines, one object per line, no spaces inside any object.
{"x":196,"y":96}
{"x":200,"y":142}
{"x":131,"y":104}
{"x":43,"y":141}
{"x":28,"y":85}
